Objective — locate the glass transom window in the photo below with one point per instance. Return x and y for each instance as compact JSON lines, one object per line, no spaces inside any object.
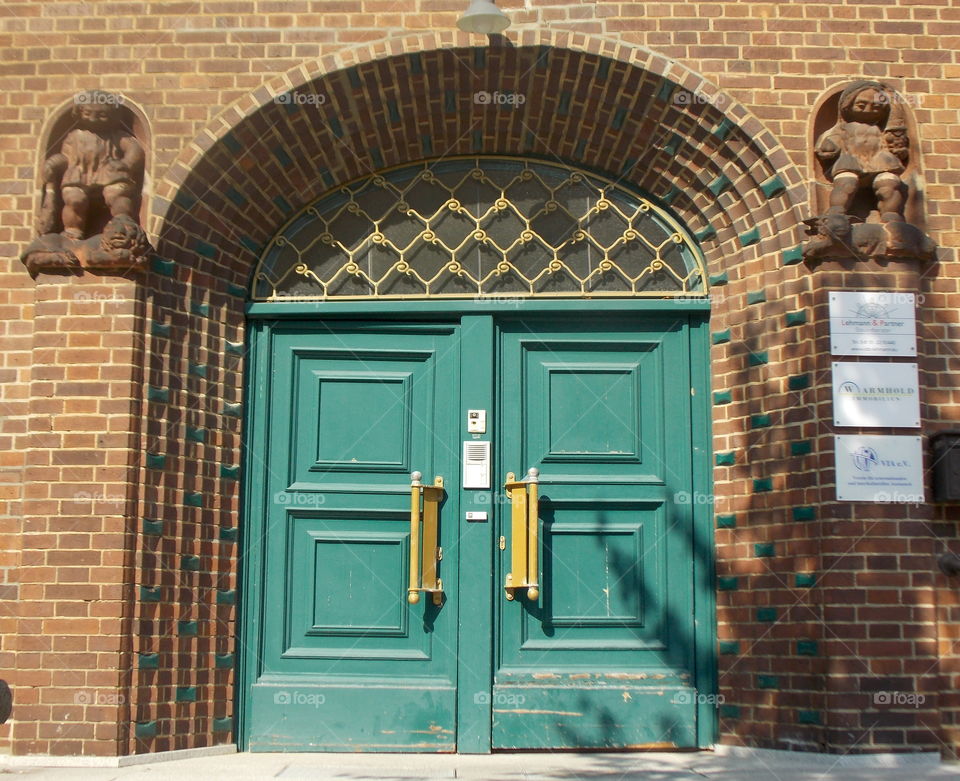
{"x":473,"y":227}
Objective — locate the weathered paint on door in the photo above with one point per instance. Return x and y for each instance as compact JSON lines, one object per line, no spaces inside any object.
{"x":605,"y":657}
{"x":345,"y":663}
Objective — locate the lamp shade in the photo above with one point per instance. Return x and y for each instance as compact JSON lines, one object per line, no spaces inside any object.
{"x":483,"y":17}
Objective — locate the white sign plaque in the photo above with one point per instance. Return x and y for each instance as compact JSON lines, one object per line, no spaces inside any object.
{"x":879,"y":469}
{"x":873,"y":323}
{"x":876,"y":394}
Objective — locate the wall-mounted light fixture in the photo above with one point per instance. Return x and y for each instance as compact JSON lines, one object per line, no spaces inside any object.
{"x":483,"y":17}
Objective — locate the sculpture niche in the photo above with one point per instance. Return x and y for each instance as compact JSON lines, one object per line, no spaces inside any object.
{"x":91,"y":193}
{"x":866,"y":157}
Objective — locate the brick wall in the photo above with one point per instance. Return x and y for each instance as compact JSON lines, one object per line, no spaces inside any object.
{"x":119,"y":434}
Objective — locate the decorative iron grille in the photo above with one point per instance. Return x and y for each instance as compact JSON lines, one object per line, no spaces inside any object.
{"x":474,"y":227}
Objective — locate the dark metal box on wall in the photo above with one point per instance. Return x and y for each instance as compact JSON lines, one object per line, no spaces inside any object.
{"x":946,"y":466}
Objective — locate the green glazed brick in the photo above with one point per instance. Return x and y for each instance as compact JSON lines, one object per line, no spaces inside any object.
{"x":768,"y":682}
{"x":804,"y":513}
{"x":234,"y":348}
{"x":749,"y":238}
{"x":798,"y":382}
{"x":808,"y":716}
{"x":161,"y":395}
{"x":228,"y":534}
{"x":224,"y":661}
{"x":236,"y":290}
{"x":231,"y":142}
{"x":665,"y":93}
{"x":764,"y":549}
{"x":720,"y":337}
{"x":802,"y":448}
{"x":205,"y":249}
{"x":727,"y":521}
{"x":197,"y":369}
{"x":796,"y":318}
{"x":729,"y":711}
{"x":717,"y":280}
{"x":196,"y":434}
{"x":759,"y":421}
{"x":250,"y":244}
{"x":805,"y":580}
{"x":758,"y":359}
{"x":726,"y":459}
{"x":727,"y":584}
{"x":722,"y":397}
{"x":792,"y":256}
{"x":229,"y":472}
{"x":149,"y":661}
{"x":223,"y":725}
{"x":729,"y":647}
{"x":773,"y":187}
{"x":184,"y":200}
{"x":720,"y":184}
{"x":193,"y":499}
{"x":722,"y":130}
{"x":236,"y":197}
{"x":156,"y":461}
{"x":165,"y":268}
{"x":186,"y":694}
{"x":160,"y":329}
{"x":762,"y":485}
{"x":670,"y":195}
{"x":146,"y":729}
{"x":756,"y":297}
{"x":766,"y":615}
{"x":672,"y":146}
{"x":226,"y":597}
{"x":190,"y":563}
{"x":706,"y":234}
{"x":807,"y":647}
{"x":188,"y":628}
{"x":233,"y":410}
{"x":149,"y":593}
{"x":282,"y":204}
{"x":152,"y":528}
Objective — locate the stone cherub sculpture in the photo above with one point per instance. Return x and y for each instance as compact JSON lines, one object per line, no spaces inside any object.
{"x":91,"y":193}
{"x":864,"y":156}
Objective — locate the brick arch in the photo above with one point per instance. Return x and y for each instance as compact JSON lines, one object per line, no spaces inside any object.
{"x":593,"y":102}
{"x":601,"y":105}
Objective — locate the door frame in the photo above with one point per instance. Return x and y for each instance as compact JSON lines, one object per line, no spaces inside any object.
{"x":473,"y":719}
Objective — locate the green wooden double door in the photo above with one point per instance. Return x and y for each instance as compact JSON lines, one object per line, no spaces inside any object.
{"x":616,"y":648}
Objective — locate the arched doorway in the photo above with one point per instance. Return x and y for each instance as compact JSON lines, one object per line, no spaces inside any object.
{"x":422,"y":340}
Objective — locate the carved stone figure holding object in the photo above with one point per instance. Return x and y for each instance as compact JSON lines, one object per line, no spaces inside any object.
{"x":91,"y":188}
{"x":866,"y":158}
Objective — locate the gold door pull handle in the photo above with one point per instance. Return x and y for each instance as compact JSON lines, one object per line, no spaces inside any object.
{"x":424,"y":551}
{"x":524,"y":539}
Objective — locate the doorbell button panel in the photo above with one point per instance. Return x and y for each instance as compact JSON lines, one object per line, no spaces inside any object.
{"x":476,"y":464}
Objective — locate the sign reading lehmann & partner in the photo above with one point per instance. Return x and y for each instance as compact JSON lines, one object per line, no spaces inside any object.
{"x":876,"y":394}
{"x":879,"y":469}
{"x":873,"y":323}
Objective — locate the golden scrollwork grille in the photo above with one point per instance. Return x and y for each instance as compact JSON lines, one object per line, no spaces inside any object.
{"x":482,"y":226}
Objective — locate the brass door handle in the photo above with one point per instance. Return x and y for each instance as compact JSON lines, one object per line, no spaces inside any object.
{"x":524,"y":539}
{"x":423,"y":566}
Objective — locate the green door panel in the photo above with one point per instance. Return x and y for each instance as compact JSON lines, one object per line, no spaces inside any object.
{"x":346,"y":664}
{"x":608,"y":656}
{"x":605,"y":657}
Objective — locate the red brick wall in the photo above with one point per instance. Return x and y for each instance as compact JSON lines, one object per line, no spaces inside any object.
{"x":882,"y":617}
